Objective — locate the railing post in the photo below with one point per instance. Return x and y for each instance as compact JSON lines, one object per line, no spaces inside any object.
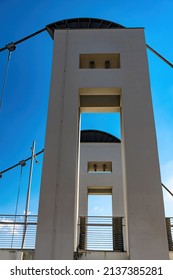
{"x":82,"y":238}
{"x":28,"y":194}
{"x":169,"y":233}
{"x":117,"y":234}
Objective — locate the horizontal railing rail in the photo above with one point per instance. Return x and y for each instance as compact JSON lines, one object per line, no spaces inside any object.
{"x":101,"y":233}
{"x":18,"y":231}
{"x":95,"y":233}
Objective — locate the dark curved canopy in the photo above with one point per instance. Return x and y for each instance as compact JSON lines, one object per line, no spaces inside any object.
{"x":97,"y":136}
{"x":82,"y":23}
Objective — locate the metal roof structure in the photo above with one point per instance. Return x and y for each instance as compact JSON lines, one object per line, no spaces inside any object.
{"x":76,"y":23}
{"x":82,"y":23}
{"x":97,"y":136}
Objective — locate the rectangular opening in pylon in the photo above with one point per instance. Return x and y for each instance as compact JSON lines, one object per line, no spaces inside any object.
{"x":100,"y":61}
{"x":103,"y":122}
{"x":100,"y":99}
{"x":101,"y":167}
{"x":99,"y":227}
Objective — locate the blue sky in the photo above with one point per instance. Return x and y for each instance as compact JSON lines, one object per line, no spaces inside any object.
{"x":24,"y":111}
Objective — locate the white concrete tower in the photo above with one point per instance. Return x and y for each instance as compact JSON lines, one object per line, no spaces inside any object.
{"x":99,"y":66}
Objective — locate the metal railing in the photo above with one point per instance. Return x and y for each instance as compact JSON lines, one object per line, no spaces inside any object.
{"x":96,"y":233}
{"x":169,"y":227}
{"x":101,"y":233}
{"x":18,"y":231}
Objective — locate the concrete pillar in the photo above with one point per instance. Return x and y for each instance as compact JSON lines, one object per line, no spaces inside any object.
{"x":57,"y":210}
{"x":57,"y":223}
{"x":142,"y":182}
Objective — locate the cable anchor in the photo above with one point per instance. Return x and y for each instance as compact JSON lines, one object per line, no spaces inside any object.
{"x":36,"y":161}
{"x":22,"y":163}
{"x":11,"y":47}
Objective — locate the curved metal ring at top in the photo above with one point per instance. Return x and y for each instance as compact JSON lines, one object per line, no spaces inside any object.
{"x":98,"y":136}
{"x":82,"y":23}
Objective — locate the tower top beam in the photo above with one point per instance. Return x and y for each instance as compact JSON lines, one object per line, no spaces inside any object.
{"x":82,"y":23}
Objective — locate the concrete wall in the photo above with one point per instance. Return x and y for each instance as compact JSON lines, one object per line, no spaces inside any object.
{"x":101,"y":152}
{"x":90,"y":255}
{"x":58,"y":212}
{"x":16,"y":254}
{"x":6,"y":254}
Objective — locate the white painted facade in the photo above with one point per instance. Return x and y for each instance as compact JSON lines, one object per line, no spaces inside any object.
{"x":93,"y":152}
{"x":100,"y":152}
{"x":127,"y":90}
{"x":10,"y":254}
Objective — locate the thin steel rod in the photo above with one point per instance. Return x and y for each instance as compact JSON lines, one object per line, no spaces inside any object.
{"x":30,"y":36}
{"x":17,"y":202}
{"x":99,"y":225}
{"x":9,"y":215}
{"x":25,"y":38}
{"x":28,"y":192}
{"x":19,"y":163}
{"x":5,"y":79}
{"x":30,"y":179}
{"x":159,"y":55}
{"x":17,"y":223}
{"x":167,"y":189}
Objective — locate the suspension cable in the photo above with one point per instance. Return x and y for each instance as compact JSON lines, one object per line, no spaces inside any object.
{"x":19,"y":163}
{"x":42,"y":151}
{"x":45,"y":28}
{"x":17,"y":201}
{"x":160,"y":56}
{"x":23,"y":162}
{"x":24,"y":39}
{"x":167,"y":189}
{"x":5,"y":79}
{"x":12,"y":46}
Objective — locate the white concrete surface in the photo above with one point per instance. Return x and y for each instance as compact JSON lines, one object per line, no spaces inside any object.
{"x":58,"y":209}
{"x":102,"y":255}
{"x":6,"y":254}
{"x":101,"y":152}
